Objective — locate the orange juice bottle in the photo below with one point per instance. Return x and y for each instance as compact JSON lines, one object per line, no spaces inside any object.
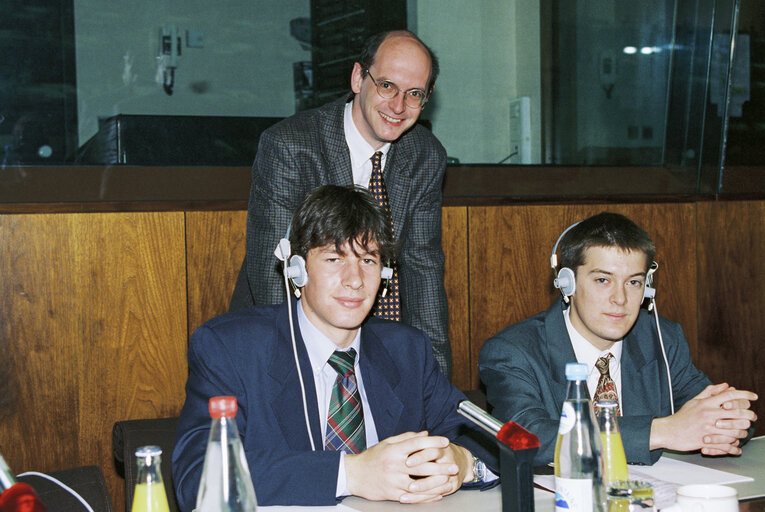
{"x":614,"y":460}
{"x":149,"y":493}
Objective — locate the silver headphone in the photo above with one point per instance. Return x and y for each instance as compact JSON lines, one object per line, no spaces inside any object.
{"x":295,"y":273}
{"x":565,"y":279}
{"x":294,"y":266}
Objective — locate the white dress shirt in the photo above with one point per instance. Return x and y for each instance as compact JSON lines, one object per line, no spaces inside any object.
{"x":319,"y":349}
{"x":586,"y":353}
{"x":361,"y":151}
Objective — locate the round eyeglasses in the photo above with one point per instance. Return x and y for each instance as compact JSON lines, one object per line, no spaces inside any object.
{"x":413,"y":98}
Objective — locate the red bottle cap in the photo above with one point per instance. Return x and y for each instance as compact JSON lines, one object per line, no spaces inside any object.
{"x":222,"y":407}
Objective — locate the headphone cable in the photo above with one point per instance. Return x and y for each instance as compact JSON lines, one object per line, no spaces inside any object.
{"x":664,"y":354}
{"x":297,"y":361}
{"x":60,"y":484}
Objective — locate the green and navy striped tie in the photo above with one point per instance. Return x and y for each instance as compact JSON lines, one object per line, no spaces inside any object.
{"x":345,"y":419}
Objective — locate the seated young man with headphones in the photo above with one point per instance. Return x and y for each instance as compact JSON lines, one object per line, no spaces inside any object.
{"x":642,"y":362}
{"x":366,"y":410}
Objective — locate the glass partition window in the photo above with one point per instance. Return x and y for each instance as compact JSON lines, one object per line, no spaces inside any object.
{"x":580,"y":82}
{"x":610,"y":81}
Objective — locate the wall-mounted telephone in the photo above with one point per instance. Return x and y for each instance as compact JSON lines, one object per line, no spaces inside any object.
{"x":169,"y":53}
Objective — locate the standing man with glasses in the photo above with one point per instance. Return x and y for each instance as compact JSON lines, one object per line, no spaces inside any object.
{"x":369,"y":138}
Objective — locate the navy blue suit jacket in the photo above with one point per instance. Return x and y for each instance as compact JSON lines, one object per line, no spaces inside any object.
{"x":248,"y":354}
{"x":523,"y":368}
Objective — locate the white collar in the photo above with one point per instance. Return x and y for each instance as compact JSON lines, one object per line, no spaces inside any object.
{"x":586,"y":352}
{"x":361,"y":151}
{"x":318,"y":346}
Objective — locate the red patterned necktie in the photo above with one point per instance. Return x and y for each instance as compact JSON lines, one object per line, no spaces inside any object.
{"x":606,"y":389}
{"x":388,"y":306}
{"x":345,"y":418}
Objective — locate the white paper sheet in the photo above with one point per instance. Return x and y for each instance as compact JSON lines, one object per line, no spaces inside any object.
{"x":684,"y":473}
{"x":665,"y":477}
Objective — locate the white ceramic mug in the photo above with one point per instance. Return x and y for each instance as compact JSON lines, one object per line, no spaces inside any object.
{"x":705,"y":498}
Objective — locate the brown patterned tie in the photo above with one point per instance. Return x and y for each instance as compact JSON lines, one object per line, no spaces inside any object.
{"x":388,"y":306}
{"x":606,"y":389}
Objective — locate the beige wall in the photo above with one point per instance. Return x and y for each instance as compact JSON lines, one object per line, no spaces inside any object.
{"x":490,"y":50}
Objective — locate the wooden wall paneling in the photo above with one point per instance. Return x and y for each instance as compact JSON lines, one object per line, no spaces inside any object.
{"x":40,"y":342}
{"x":731,"y":240}
{"x":509,"y":270}
{"x":96,"y":308}
{"x":454,"y":242}
{"x":510,"y":274}
{"x":672,"y":227}
{"x":93,"y":321}
{"x":215,"y":248}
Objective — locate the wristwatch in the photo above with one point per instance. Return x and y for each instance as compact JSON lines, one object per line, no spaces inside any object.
{"x":479,"y":470}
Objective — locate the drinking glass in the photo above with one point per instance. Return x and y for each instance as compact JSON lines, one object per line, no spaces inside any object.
{"x":630,"y":496}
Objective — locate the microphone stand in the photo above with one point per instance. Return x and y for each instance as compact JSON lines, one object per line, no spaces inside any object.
{"x":517,"y":448}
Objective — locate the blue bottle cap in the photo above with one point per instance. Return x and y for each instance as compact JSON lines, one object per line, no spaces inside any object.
{"x":576,"y":371}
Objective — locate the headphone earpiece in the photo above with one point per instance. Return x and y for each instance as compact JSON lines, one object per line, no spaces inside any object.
{"x":565,"y":282}
{"x":282,"y":251}
{"x":387,"y":274}
{"x":296,"y":271}
{"x":294,"y":266}
{"x":649,"y":292}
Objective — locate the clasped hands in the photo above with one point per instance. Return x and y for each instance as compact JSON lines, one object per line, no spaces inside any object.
{"x":713,"y":421}
{"x":412,"y":467}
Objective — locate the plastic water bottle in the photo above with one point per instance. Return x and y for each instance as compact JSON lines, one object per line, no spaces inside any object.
{"x":578,"y":465}
{"x":149,"y":495}
{"x":614,"y":460}
{"x":226,"y":483}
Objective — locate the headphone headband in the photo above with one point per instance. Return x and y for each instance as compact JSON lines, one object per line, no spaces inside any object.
{"x":294,"y":265}
{"x":554,"y":257}
{"x":565,"y":279}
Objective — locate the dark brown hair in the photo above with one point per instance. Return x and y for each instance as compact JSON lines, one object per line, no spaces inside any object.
{"x":334,"y":214}
{"x":604,"y":230}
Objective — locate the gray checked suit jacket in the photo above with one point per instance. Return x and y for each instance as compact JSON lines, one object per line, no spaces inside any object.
{"x":308,"y":150}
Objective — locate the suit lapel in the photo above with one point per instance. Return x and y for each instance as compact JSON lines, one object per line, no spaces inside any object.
{"x":398,"y":183}
{"x":335,"y":152}
{"x":380,"y":376}
{"x":287,"y":400}
{"x":560,"y":349}
{"x":639,"y":377}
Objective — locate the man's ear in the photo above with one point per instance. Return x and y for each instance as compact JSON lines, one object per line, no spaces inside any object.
{"x":357,"y":76}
